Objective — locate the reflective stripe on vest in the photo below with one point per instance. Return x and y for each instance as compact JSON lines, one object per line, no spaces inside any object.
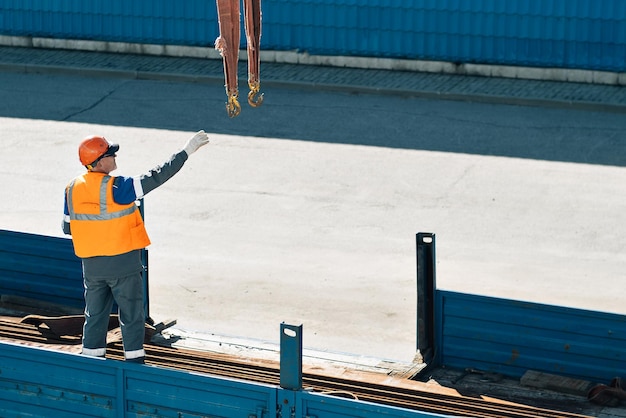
{"x":103,"y":215}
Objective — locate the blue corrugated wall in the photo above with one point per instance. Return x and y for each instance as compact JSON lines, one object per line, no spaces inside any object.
{"x":582,"y":34}
{"x":142,"y":21}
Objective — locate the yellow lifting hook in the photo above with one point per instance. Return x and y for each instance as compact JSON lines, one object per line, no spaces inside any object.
{"x":253,"y":96}
{"x":233,"y":108}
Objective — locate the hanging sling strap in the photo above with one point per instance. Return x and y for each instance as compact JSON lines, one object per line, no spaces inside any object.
{"x":252,"y":13}
{"x":228,"y":45}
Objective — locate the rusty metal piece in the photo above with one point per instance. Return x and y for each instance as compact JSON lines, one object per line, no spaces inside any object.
{"x":604,"y":395}
{"x":70,"y":328}
{"x":62,"y":327}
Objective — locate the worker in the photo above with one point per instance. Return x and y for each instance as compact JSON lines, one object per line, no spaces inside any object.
{"x":108,"y":234}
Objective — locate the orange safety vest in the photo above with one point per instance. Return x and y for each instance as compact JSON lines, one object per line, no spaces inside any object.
{"x":99,"y":226}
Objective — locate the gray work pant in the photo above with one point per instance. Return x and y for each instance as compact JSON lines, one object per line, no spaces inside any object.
{"x":99,"y":296}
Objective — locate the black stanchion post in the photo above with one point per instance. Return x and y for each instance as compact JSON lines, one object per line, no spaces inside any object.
{"x":290,"y":356}
{"x":144,"y":273}
{"x":425,"y":295}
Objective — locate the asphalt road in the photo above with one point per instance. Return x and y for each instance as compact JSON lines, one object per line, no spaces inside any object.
{"x":305,"y":209}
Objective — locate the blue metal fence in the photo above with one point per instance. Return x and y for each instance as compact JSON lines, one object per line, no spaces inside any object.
{"x":584,"y":34}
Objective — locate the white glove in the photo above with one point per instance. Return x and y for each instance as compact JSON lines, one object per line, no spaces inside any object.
{"x":198,"y":140}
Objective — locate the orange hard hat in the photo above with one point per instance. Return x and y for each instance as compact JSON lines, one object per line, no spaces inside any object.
{"x":94,"y":147}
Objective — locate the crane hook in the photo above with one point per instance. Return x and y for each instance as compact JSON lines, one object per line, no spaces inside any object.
{"x":253,"y":96}
{"x":233,"y":108}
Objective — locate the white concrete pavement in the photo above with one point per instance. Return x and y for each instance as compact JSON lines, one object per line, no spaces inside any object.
{"x":255,"y":231}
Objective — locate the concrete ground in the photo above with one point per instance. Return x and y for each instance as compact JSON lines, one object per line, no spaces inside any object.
{"x":259,"y":228}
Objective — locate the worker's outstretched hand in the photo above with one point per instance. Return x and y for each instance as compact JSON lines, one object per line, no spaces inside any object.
{"x":195,"y":142}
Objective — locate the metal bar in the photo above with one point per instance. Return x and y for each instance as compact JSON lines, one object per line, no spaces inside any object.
{"x":290,"y":356}
{"x":426,"y":295}
{"x":144,"y":273}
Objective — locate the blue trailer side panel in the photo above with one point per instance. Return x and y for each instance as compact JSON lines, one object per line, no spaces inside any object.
{"x":45,"y":383}
{"x":511,"y":337}
{"x":37,"y":382}
{"x":40,"y":267}
{"x":323,"y":406}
